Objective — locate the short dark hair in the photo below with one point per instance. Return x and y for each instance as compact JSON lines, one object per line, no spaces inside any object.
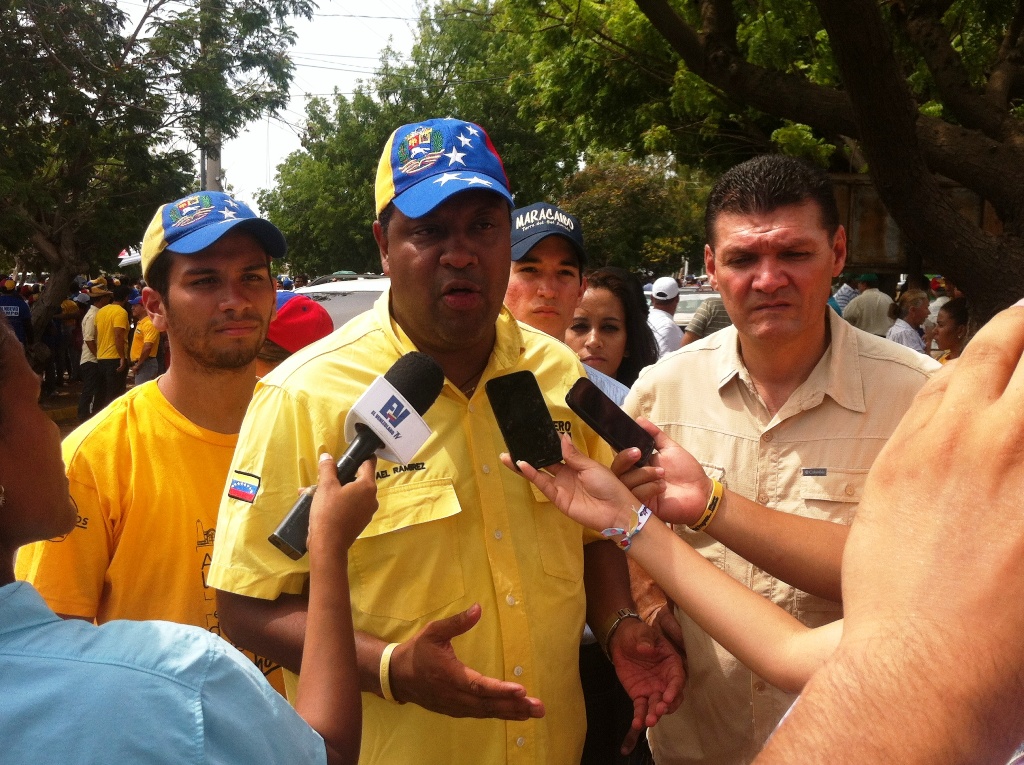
{"x":159,"y":276}
{"x":641,"y":347}
{"x":957,"y":310}
{"x":385,"y":216}
{"x":768,"y":182}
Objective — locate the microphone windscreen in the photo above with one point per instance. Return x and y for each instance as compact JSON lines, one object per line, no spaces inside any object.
{"x":418,"y":378}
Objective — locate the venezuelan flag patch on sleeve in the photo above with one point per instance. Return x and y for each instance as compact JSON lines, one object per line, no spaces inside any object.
{"x":243,"y":486}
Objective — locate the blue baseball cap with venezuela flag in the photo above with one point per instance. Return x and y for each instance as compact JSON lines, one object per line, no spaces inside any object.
{"x":193,"y":223}
{"x":426,"y":163}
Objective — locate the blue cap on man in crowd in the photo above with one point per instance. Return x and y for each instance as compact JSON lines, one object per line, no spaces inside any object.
{"x":193,"y":223}
{"x":425,"y":163}
{"x":533,"y":224}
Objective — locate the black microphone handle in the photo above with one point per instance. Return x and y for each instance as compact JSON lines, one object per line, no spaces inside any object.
{"x":290,"y":536}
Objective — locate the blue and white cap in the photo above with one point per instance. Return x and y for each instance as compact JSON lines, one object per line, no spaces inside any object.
{"x":193,"y":223}
{"x":425,"y":163}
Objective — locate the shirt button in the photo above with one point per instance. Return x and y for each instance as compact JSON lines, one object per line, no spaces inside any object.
{"x":510,"y":600}
{"x":766,"y":437}
{"x":762,"y":499}
{"x":485,"y":469}
{"x":518,"y":671}
{"x":471,"y":409}
{"x":521,"y":741}
{"x":498,"y":534}
{"x":760,"y":686}
{"x":850,"y":491}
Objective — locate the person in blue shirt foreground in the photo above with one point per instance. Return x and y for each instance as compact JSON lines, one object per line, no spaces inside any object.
{"x":158,"y":692}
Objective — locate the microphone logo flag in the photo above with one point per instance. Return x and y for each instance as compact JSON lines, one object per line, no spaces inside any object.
{"x":385,"y":411}
{"x":395,"y":412}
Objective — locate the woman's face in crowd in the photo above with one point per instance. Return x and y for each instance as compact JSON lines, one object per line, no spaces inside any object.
{"x":598,"y":331}
{"x":918,"y":313}
{"x":37,"y":503}
{"x":948,"y":334}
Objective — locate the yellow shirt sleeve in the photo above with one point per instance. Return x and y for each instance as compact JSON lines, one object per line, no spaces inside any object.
{"x":244,"y":561}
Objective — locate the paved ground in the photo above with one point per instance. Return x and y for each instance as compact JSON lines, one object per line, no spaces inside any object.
{"x":62,"y":407}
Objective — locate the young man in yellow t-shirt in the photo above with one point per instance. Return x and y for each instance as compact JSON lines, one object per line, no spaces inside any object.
{"x":146,"y":473}
{"x":145,"y":343}
{"x":111,"y":348}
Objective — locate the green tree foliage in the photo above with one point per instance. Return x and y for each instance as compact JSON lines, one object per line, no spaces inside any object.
{"x":95,"y":113}
{"x":467,"y":62}
{"x":907,"y":90}
{"x":323,"y":200}
{"x":643,"y":216}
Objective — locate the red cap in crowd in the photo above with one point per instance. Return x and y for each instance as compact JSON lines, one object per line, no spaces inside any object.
{"x":299,"y":322}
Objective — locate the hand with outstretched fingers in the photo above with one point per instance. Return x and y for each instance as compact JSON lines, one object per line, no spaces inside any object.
{"x":426,"y":671}
{"x":651,"y":672}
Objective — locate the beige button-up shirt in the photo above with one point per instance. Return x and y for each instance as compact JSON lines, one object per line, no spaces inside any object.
{"x":870,"y":311}
{"x":811,"y":458}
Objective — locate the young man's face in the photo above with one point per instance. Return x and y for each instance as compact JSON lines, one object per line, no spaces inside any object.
{"x":219,"y":303}
{"x":449,"y":270}
{"x":545,"y":286}
{"x":775,"y":270}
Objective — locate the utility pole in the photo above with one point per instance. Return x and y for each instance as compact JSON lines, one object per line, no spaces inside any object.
{"x":210,"y":174}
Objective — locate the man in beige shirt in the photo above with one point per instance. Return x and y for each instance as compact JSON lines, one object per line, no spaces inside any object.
{"x":788,"y":409}
{"x":870,"y":309}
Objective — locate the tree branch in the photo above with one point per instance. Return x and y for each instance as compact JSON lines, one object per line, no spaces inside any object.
{"x":887,"y":118}
{"x":829,"y":111}
{"x":922,"y":23}
{"x":785,"y":95}
{"x":1006,"y":75}
{"x":719,"y":22}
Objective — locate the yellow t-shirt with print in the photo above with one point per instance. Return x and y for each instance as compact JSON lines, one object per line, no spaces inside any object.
{"x":108,"y":318}
{"x":144,"y":333}
{"x":147,"y":483}
{"x":453,"y":528}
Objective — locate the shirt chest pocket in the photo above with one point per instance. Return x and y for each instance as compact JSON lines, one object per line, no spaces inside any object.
{"x":832,"y":494}
{"x":407,"y":563}
{"x":559,"y":540}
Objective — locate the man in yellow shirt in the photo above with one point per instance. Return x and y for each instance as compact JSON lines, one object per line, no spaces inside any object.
{"x":111,"y":348}
{"x":147,"y":472}
{"x":145,"y":343}
{"x":469,"y":591}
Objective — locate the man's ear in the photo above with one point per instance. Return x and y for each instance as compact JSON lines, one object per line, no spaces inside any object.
{"x":709,"y":265}
{"x":155,"y":306}
{"x":583,"y":288}
{"x":839,"y":251}
{"x":381,"y":237}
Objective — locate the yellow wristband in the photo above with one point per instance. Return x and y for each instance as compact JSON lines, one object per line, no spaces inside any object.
{"x":385,"y":672}
{"x":714,"y":502}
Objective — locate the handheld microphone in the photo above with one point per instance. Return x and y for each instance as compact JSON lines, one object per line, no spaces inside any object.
{"x":386,"y":419}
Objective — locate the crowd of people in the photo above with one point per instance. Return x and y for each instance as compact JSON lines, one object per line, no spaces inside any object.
{"x":777,"y":584}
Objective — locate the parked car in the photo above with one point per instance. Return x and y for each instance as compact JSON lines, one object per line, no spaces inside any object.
{"x":689,"y":302}
{"x":348,"y":296}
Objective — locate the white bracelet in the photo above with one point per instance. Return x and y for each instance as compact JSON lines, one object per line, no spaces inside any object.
{"x":626,"y":535}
